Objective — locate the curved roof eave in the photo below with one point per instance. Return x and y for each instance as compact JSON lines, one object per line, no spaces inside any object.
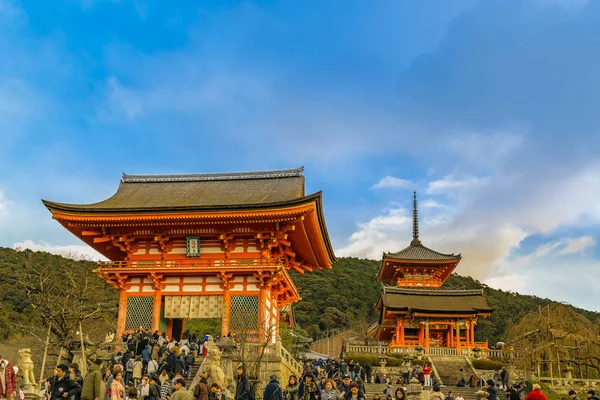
{"x":77,"y":208}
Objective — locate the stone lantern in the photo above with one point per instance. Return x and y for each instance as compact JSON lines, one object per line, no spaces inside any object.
{"x":414,"y":389}
{"x":420,"y":352}
{"x":383,"y":362}
{"x":477,"y":352}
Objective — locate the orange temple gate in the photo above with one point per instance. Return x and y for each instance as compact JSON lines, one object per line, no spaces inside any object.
{"x":204,"y":246}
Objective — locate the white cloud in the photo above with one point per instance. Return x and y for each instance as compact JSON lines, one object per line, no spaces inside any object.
{"x":552,"y":250}
{"x":73,"y":251}
{"x":451,"y":184}
{"x":577,"y":245}
{"x":379,"y":234}
{"x":391,"y":182}
{"x":430,"y":203}
{"x":488,"y":221}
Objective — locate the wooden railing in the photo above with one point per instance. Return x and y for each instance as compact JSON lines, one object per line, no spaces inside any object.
{"x":188,"y":264}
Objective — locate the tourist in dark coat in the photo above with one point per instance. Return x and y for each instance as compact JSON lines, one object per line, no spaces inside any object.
{"x":354,"y":393}
{"x":61,"y":386}
{"x":513,"y":393}
{"x":368,"y":371}
{"x":273,"y":391}
{"x":492,"y":390}
{"x":243,"y":391}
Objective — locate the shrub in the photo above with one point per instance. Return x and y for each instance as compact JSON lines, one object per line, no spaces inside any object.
{"x":488,"y":364}
{"x":363,"y":359}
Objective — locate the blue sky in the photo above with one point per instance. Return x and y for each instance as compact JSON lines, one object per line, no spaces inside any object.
{"x":487,"y":108}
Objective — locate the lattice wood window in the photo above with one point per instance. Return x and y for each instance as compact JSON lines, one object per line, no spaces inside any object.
{"x":139,"y":312}
{"x":244,"y":313}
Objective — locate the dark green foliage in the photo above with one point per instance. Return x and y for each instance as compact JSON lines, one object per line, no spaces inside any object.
{"x":363,"y":359}
{"x":339,"y":298}
{"x":206,"y":326}
{"x":488,"y":364}
{"x":31,"y":282}
{"x":343,"y":298}
{"x":334,"y":300}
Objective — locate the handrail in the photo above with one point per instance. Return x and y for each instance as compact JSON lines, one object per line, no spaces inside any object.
{"x":293,"y":363}
{"x":188,"y":264}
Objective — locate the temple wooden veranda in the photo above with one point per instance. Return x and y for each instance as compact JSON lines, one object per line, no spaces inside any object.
{"x":204,"y":246}
{"x":413,"y":308}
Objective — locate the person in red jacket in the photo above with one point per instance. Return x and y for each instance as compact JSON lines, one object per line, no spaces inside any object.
{"x":8,"y":380}
{"x":536,"y":393}
{"x":427,"y":374}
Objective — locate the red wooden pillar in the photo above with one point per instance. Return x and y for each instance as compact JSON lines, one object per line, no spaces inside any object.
{"x":402,"y":332}
{"x":156,"y":305}
{"x":426,"y":337}
{"x":262,"y":312}
{"x":276,"y":316}
{"x":422,"y":335}
{"x":170,"y":328}
{"x":467,"y":334}
{"x":122,"y":318}
{"x":225,"y":318}
{"x":473,"y":331}
{"x":457,"y":338}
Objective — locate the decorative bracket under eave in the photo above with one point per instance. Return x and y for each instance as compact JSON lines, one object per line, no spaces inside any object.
{"x":226,"y":283}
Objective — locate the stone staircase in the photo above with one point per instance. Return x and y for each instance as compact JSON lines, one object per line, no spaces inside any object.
{"x":448,"y":369}
{"x":467,"y":392}
{"x":195,"y":369}
{"x":372,"y":388}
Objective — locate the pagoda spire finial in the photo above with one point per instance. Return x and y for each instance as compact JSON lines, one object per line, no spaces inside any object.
{"x":415,"y":220}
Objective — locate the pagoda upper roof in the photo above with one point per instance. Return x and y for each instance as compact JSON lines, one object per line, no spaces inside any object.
{"x":416,"y":251}
{"x":198,"y":191}
{"x":432,"y":300}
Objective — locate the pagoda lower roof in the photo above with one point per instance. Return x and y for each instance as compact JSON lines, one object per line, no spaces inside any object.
{"x":416,"y":251}
{"x":219,"y":191}
{"x":443,"y":301}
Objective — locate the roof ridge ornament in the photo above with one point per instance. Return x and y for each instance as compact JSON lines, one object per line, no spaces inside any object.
{"x":220,"y":176}
{"x":415,"y":221}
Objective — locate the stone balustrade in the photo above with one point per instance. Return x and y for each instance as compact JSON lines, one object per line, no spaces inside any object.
{"x":433,"y":351}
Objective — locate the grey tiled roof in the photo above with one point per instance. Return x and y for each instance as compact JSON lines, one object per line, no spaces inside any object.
{"x":435,"y":300}
{"x":416,"y":251}
{"x":199,"y":191}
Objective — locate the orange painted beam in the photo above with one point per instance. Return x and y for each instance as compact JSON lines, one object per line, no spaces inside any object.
{"x":91,"y":233}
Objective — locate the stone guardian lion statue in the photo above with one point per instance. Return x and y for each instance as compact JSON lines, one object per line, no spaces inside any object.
{"x":26,"y":367}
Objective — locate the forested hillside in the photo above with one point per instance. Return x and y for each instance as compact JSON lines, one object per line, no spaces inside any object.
{"x":332,"y":300}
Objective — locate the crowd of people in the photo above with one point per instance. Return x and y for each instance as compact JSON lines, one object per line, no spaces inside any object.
{"x":151,"y":367}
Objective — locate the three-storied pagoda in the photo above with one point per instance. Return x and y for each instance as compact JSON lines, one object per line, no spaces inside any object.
{"x":414,"y":310}
{"x":204,"y":246}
